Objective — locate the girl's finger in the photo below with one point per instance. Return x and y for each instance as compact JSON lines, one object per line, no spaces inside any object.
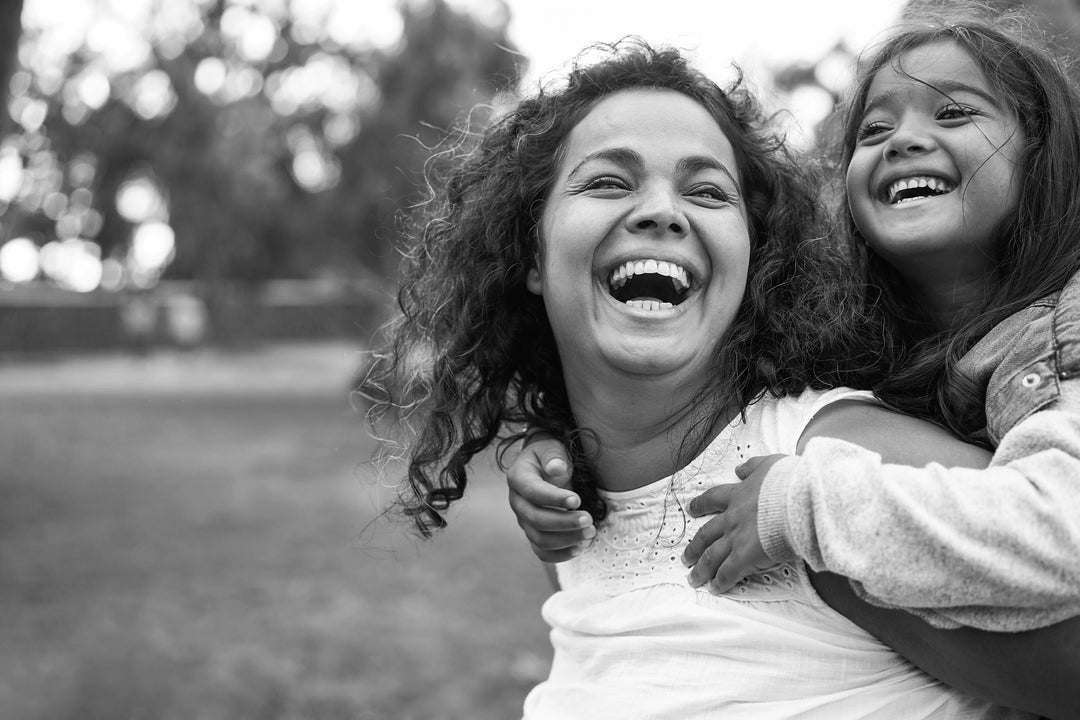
{"x":709,"y":533}
{"x":705,"y":568}
{"x":748,"y":467}
{"x":525,"y":478}
{"x":546,"y":519}
{"x":713,"y":500}
{"x":727,"y":576}
{"x":557,"y":556}
{"x":557,"y":541}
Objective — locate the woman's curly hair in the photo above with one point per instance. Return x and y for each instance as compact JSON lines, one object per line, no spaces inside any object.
{"x":1036,"y":246}
{"x":472,"y":359}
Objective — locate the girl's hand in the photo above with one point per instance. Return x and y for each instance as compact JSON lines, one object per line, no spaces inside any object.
{"x":727,"y":548}
{"x":539,"y":481}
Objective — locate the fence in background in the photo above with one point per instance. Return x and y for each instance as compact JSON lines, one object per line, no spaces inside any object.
{"x":45,"y":319}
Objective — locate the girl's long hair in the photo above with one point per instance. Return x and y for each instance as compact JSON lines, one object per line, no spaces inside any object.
{"x":1036,"y":246}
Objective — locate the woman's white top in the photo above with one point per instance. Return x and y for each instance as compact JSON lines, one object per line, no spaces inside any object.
{"x":632,"y":639}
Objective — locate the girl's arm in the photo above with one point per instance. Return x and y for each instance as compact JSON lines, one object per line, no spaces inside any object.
{"x":997,"y":549}
{"x":1036,"y":670}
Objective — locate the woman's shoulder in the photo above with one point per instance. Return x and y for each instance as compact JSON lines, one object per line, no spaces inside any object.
{"x":779,"y":422}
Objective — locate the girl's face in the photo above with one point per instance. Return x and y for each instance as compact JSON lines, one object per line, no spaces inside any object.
{"x":644,"y":240}
{"x":935,"y":165}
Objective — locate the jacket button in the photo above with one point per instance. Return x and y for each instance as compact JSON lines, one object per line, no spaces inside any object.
{"x":1031,"y":380}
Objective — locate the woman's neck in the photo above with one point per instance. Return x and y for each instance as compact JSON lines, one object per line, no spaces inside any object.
{"x":644,"y":430}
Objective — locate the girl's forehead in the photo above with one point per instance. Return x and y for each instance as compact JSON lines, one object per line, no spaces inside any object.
{"x":942,"y":63}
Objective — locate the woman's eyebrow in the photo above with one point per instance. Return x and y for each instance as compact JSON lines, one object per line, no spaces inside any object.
{"x":697,"y":163}
{"x":623,"y":157}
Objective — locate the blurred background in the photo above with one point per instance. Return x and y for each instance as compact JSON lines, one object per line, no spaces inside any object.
{"x":199,"y":205}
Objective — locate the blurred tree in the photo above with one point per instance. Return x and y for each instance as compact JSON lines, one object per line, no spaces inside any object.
{"x":249,"y":141}
{"x":10,"y":29}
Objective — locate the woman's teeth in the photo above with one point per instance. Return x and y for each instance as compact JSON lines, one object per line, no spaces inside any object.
{"x":649,"y":284}
{"x":631,"y":268}
{"x":914,"y":188}
{"x":649,"y":304}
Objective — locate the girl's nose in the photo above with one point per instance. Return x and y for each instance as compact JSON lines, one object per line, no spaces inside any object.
{"x":907,"y":141}
{"x":658,"y":210}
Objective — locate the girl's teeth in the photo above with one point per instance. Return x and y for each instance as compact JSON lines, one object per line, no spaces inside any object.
{"x":938,"y":185}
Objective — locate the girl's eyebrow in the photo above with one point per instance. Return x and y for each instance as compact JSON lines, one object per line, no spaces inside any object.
{"x":946,"y":88}
{"x":630,"y":159}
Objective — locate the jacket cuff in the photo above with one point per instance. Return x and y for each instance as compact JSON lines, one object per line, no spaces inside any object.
{"x":772,"y":511}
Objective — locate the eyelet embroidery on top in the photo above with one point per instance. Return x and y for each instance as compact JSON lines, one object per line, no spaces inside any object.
{"x":640,"y":544}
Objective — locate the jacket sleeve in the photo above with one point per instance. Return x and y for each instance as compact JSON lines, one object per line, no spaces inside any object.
{"x":995,"y":549}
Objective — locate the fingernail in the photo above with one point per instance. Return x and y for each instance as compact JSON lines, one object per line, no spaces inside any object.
{"x":555,"y":466}
{"x":584,"y":520}
{"x":572,"y":502}
{"x":690,"y":579}
{"x":589,"y":533}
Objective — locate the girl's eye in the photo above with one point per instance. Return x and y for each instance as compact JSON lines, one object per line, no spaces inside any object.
{"x":869,"y":130}
{"x":955,"y":111}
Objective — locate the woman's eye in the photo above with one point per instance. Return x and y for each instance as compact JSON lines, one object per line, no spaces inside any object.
{"x":711,"y":192}
{"x":606,"y":182}
{"x":869,"y":130}
{"x":954,"y":111}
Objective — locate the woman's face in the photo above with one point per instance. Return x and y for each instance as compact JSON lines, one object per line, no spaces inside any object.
{"x":644,"y":240}
{"x":935,"y":166}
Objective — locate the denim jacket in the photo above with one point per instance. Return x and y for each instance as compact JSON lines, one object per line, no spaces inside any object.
{"x":1029,"y":362}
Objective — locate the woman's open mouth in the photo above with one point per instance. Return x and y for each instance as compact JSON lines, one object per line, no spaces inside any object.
{"x":649,"y":284}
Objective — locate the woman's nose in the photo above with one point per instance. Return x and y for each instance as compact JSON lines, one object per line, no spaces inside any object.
{"x":658,"y":210}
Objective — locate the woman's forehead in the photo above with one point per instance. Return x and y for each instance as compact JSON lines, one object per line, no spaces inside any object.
{"x":656,"y":121}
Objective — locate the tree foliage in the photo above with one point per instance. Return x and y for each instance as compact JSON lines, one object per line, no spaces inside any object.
{"x":260,"y":179}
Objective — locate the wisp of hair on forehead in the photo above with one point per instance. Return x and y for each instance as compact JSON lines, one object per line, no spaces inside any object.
{"x":471,"y":359}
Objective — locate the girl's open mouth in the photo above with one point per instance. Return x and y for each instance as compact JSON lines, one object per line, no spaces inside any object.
{"x":916,"y":188}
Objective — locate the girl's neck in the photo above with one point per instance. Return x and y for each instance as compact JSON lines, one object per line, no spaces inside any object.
{"x":642,"y":430}
{"x":945,"y":298}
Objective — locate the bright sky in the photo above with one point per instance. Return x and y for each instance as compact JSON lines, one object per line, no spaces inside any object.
{"x":758,"y":34}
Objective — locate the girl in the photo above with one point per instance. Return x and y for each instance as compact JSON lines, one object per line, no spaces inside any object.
{"x":965,"y":192}
{"x":628,"y":255}
{"x":962,"y":158}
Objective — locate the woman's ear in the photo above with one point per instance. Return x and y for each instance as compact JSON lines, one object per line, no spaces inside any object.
{"x":534,"y":282}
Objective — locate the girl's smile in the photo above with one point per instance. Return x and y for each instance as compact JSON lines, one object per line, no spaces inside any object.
{"x":644,"y":239}
{"x":934,"y":169}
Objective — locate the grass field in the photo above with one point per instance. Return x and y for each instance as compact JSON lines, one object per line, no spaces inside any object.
{"x":181,"y":538}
